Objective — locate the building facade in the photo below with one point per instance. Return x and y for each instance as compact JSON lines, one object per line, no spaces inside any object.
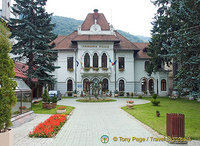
{"x":96,"y":53}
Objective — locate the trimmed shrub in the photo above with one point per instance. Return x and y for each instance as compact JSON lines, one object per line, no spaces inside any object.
{"x":140,"y":97}
{"x":45,"y":96}
{"x":54,"y":99}
{"x":155,"y":102}
{"x":154,"y":96}
{"x":132,"y":94}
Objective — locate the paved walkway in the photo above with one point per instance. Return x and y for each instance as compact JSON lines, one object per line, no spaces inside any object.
{"x":88,"y":123}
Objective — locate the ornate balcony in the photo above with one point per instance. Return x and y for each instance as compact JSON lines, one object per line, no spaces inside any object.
{"x":96,"y":71}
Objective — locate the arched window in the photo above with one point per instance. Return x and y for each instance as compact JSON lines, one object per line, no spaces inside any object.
{"x":121,"y":85}
{"x":86,"y":60}
{"x":105,"y":85}
{"x":104,"y":61}
{"x":144,"y":85}
{"x":151,"y":85}
{"x":163,"y":85}
{"x":69,"y":85}
{"x":95,"y":60}
{"x":86,"y":85}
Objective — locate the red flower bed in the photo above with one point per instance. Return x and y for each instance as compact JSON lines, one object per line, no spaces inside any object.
{"x":131,"y":102}
{"x":50,"y":127}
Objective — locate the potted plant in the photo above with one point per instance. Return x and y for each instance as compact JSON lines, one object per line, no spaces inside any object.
{"x":45,"y":98}
{"x":75,"y":93}
{"x":23,"y":109}
{"x":116,"y":93}
{"x":7,"y":87}
{"x":130,"y":103}
{"x":61,"y":109}
{"x":127,"y":94}
{"x":54,"y":101}
{"x":132,"y":94}
{"x":49,"y":105}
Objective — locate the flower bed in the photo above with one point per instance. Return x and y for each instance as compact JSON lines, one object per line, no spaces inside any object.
{"x":50,"y":127}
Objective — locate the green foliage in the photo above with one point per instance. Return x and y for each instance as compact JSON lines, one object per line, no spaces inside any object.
{"x":7,"y":84}
{"x":175,"y":40}
{"x":54,"y":99}
{"x":140,"y":97}
{"x":154,"y":96}
{"x":33,"y":34}
{"x":45,"y":96}
{"x":132,"y":94}
{"x":121,"y":93}
{"x":155,"y":102}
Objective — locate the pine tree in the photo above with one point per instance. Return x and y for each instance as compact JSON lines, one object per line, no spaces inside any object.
{"x":7,"y":74}
{"x":33,"y":32}
{"x":176,"y":37}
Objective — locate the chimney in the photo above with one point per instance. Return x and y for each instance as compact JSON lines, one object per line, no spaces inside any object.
{"x":96,"y":14}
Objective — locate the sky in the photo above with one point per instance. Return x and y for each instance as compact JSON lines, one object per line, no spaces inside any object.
{"x":133,"y":16}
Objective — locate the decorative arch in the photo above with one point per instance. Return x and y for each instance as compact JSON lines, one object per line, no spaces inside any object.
{"x":105,"y":85}
{"x":151,"y":85}
{"x":69,"y":85}
{"x":163,"y":85}
{"x":86,"y":60}
{"x":121,"y":85}
{"x":86,"y":85}
{"x":95,"y":60}
{"x":144,"y":84}
{"x":104,"y":60}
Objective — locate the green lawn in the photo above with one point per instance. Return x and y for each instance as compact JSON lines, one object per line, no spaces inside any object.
{"x":146,"y":113}
{"x":67,"y":97}
{"x":39,"y":110}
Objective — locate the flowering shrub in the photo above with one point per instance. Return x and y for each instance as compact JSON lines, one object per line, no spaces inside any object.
{"x":50,"y":127}
{"x":61,"y":108}
{"x":22,"y":107}
{"x":131,"y":102}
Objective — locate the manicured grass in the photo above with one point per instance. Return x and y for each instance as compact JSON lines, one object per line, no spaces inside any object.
{"x":96,"y":100}
{"x":39,"y":110}
{"x":146,"y":113}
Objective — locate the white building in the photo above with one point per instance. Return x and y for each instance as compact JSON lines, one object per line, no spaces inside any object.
{"x":98,"y":53}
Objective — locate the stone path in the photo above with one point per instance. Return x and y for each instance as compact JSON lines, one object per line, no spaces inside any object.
{"x":88,"y":123}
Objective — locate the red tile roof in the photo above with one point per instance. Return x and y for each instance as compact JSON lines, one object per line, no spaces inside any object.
{"x":21,"y":71}
{"x":142,"y":54}
{"x":19,"y":74}
{"x":64,"y":42}
{"x":90,"y":20}
{"x":96,"y":38}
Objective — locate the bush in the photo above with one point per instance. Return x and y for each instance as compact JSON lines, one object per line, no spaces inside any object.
{"x":140,"y":97}
{"x":127,"y":94}
{"x":155,"y":102}
{"x":121,"y":93}
{"x":154,"y":96}
{"x":45,"y":96}
{"x":132,"y":94}
{"x":54,"y":99}
{"x":7,"y":83}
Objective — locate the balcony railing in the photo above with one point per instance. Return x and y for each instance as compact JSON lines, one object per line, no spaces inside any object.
{"x":96,"y":71}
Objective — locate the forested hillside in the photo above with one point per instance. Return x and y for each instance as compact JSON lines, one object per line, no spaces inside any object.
{"x":65,"y":26}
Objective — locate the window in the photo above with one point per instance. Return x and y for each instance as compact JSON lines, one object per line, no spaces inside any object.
{"x":151,"y":85}
{"x":105,"y":85}
{"x":104,"y":60}
{"x":144,"y":85}
{"x":86,"y":85}
{"x":121,"y":62}
{"x":87,"y":60}
{"x":69,"y":85}
{"x":95,"y":60}
{"x":69,"y":62}
{"x":146,"y":64}
{"x":163,"y":85}
{"x":121,"y":85}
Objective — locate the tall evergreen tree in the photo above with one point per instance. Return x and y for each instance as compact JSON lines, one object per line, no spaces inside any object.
{"x":33,"y":34}
{"x":7,"y":74}
{"x":176,"y":38}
